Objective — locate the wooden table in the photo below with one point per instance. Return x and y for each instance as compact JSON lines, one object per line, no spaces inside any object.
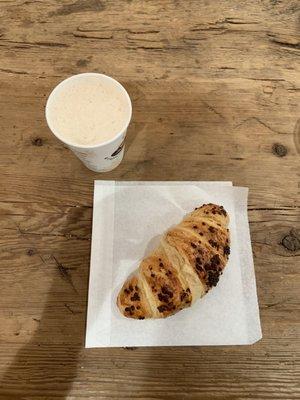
{"x":215,"y":90}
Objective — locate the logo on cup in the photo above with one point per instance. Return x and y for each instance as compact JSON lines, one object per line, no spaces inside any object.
{"x":116,"y":152}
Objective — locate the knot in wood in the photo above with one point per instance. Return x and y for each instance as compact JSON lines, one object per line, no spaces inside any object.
{"x":291,"y":241}
{"x":82,"y":63}
{"x":30,"y":252}
{"x":37,"y":142}
{"x":279,"y":150}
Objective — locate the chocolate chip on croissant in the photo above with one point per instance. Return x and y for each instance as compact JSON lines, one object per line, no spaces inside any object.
{"x":186,"y":265}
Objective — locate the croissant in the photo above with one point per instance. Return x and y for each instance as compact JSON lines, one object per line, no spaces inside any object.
{"x":185,"y":266}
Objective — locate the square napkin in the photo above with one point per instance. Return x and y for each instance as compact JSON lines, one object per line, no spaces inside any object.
{"x":128,"y":220}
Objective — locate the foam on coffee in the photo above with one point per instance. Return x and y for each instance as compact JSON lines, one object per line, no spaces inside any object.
{"x":88,"y":109}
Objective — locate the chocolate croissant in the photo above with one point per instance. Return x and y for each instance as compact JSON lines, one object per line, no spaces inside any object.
{"x":186,"y":265}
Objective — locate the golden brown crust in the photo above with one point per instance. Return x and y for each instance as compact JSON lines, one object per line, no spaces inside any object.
{"x":131,"y":300}
{"x":187,"y":264}
{"x":169,"y":296}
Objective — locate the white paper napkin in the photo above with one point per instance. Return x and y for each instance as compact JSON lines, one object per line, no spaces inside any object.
{"x":128,"y":220}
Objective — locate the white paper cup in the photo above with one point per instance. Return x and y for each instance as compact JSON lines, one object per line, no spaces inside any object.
{"x":104,"y":156}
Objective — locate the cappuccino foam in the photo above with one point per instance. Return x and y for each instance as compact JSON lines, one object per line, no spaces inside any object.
{"x":88,"y":109}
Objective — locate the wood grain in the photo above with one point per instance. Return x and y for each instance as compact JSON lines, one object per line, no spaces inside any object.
{"x":215,"y":90}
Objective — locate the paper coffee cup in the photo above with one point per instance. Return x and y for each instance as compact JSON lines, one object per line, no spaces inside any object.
{"x":106,"y":155}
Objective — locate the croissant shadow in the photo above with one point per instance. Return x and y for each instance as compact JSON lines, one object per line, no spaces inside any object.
{"x":152,"y":245}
